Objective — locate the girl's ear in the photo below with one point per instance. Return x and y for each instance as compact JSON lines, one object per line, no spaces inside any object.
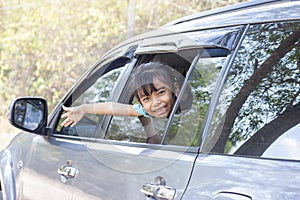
{"x":176,"y":89}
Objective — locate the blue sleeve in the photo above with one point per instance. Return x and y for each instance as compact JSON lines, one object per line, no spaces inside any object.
{"x":139,"y":109}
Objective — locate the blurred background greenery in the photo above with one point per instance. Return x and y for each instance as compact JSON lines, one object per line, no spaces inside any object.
{"x":47,"y":44}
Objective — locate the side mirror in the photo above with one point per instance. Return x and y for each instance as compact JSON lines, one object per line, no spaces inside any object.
{"x":29,"y":114}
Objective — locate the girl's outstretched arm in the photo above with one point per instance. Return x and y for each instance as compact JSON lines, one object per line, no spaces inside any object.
{"x":74,"y":114}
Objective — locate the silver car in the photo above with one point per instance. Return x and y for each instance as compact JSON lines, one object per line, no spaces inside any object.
{"x":239,"y":139}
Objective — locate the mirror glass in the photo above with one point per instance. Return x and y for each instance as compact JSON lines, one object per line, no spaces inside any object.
{"x":28,"y":113}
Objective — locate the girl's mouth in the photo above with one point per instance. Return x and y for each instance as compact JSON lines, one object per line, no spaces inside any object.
{"x":161,"y":111}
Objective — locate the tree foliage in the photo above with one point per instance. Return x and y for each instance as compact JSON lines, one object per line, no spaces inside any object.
{"x":46,"y":45}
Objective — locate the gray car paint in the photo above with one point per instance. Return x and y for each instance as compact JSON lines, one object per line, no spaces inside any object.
{"x":29,"y":165}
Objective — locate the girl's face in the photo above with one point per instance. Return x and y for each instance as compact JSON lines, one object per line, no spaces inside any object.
{"x":160,"y":102}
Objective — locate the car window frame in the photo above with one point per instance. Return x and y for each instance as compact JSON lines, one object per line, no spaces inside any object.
{"x":125,"y":51}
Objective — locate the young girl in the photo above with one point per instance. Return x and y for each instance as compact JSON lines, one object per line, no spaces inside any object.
{"x":154,"y":85}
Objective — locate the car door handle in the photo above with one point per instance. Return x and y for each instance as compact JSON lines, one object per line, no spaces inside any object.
{"x":67,"y":171}
{"x":159,"y":192}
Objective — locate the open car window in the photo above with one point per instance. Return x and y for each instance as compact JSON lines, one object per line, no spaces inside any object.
{"x":200,"y":72}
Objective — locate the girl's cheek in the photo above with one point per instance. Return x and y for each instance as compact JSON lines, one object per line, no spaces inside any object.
{"x":146,"y":107}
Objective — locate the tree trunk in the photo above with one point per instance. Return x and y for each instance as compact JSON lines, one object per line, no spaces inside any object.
{"x":131,"y":14}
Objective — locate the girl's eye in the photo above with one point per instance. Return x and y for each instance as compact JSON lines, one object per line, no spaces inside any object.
{"x":145,"y":99}
{"x":161,"y":92}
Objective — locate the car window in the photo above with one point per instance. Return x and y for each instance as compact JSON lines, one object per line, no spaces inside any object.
{"x":186,"y":126}
{"x":102,"y":83}
{"x":259,"y":108}
{"x":124,"y":128}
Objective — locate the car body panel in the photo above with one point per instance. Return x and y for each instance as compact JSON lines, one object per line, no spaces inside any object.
{"x":132,"y":167}
{"x":39,"y":168}
{"x":8,"y":176}
{"x":243,"y":177}
{"x":49,"y":165}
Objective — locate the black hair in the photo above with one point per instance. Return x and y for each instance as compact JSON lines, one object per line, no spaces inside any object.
{"x":145,"y":74}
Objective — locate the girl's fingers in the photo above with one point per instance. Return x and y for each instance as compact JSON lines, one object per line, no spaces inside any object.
{"x":71,"y":118}
{"x":66,"y":108}
{"x":65,"y":123}
{"x":68,"y":122}
{"x":68,"y":111}
{"x":64,"y":115}
{"x":73,"y":124}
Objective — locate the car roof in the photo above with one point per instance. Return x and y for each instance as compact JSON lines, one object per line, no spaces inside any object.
{"x":230,"y":8}
{"x":252,"y":12}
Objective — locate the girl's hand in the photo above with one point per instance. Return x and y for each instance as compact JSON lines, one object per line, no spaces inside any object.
{"x":72,"y":115}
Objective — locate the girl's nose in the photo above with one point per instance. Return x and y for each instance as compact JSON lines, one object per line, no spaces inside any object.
{"x":157,"y":101}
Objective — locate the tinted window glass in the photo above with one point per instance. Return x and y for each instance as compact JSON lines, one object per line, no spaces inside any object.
{"x":258,"y":110}
{"x":99,"y":91}
{"x":187,"y":126}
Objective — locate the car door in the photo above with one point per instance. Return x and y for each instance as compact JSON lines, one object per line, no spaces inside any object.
{"x":251,"y":148}
{"x":49,"y":167}
{"x":40,"y":178}
{"x":34,"y":162}
{"x":116,"y":161}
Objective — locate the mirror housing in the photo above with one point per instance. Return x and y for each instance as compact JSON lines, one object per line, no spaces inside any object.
{"x":29,"y":114}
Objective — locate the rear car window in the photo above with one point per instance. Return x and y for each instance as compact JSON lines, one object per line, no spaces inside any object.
{"x":258,"y":113}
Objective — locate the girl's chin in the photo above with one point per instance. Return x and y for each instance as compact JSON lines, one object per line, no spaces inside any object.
{"x":161,"y":115}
